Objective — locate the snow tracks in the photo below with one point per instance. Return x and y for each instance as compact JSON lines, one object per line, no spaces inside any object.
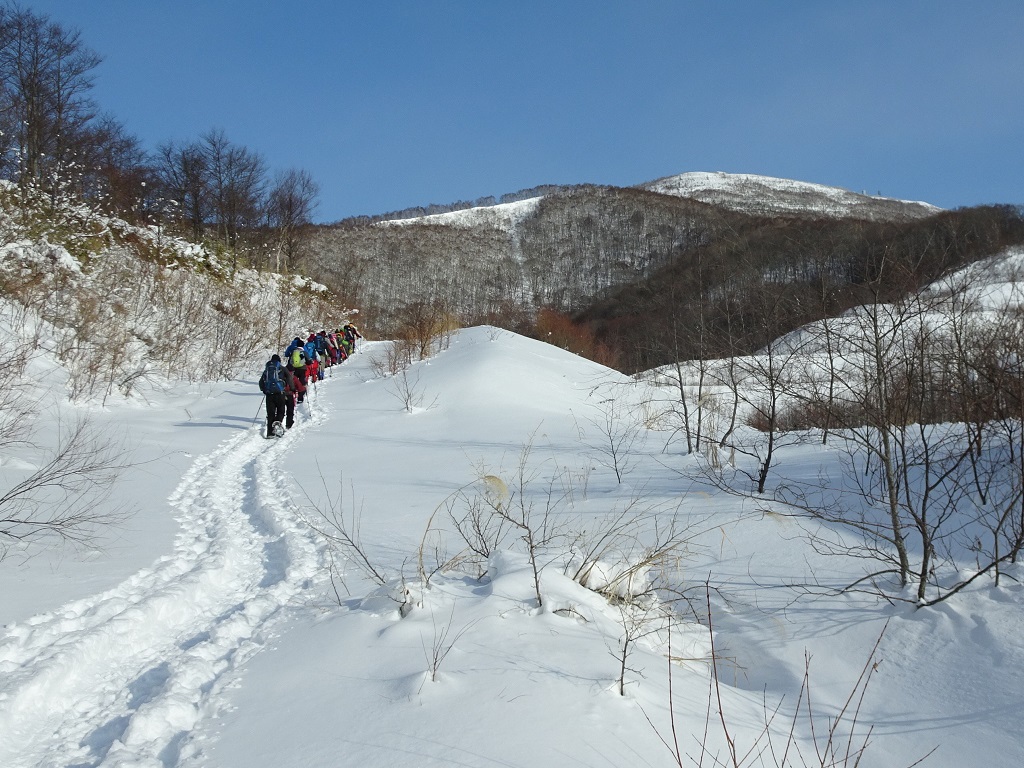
{"x":121,"y":679}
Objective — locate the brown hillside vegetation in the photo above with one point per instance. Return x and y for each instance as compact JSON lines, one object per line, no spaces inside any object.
{"x":734,"y":294}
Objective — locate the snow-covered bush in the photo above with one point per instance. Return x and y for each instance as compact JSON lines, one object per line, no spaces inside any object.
{"x":624,"y":579}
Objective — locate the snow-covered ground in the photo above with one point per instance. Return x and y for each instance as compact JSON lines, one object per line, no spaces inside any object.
{"x":208,"y":632}
{"x":766,"y":194}
{"x":504,"y":216}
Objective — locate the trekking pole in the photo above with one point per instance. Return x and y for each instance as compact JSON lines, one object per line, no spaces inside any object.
{"x":258,"y":407}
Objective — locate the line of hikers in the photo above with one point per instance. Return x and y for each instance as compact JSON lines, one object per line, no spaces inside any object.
{"x":285,"y":383}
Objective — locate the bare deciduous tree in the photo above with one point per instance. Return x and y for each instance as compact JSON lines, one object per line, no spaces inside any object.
{"x":47,"y":74}
{"x":290,"y":206}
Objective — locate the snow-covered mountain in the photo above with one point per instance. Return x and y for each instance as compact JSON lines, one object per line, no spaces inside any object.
{"x":746,"y":193}
{"x":767,"y":195}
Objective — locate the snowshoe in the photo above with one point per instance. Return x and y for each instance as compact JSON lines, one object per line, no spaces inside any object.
{"x":278,"y":429}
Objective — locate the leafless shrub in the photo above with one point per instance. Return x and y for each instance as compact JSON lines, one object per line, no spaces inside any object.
{"x":425,"y":326}
{"x":639,"y":619}
{"x":626,"y":555}
{"x":443,"y":641}
{"x":836,"y":740}
{"x":327,"y":517}
{"x":614,"y":433}
{"x":433,"y":549}
{"x":66,"y":497}
{"x":472,"y":511}
{"x":407,"y":388}
{"x":476,"y":520}
{"x":392,"y":359}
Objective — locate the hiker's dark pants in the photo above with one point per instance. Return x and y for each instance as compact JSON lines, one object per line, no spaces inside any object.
{"x":289,"y":403}
{"x":275,"y":410}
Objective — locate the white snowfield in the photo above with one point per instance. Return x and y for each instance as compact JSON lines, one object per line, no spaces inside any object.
{"x":119,"y":678}
{"x":505,"y":217}
{"x":766,"y":194}
{"x":229,"y":646}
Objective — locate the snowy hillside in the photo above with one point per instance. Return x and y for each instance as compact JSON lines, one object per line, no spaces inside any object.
{"x":746,"y":193}
{"x":768,"y":195}
{"x":504,"y":216}
{"x":238,"y":636}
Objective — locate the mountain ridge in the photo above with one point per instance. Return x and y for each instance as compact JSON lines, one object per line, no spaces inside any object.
{"x":741,"y":192}
{"x":780,"y":196}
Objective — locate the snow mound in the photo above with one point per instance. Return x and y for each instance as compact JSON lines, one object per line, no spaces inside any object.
{"x":514,"y":373}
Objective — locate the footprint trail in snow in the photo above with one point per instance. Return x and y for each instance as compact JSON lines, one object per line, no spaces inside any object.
{"x":122,"y":678}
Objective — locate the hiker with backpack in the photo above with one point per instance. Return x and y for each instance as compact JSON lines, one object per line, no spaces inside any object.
{"x":299,"y":386}
{"x":291,"y":391}
{"x":295,"y":354}
{"x":351,"y":334}
{"x":343,"y":346}
{"x":332,"y":348}
{"x":313,"y":372}
{"x":320,"y":341}
{"x":272,"y":384}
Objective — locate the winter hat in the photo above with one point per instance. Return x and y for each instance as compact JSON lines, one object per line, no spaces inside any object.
{"x":275,"y":359}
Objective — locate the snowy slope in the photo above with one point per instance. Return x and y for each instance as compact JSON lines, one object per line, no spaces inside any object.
{"x":767,"y":195}
{"x":231,"y":648}
{"x":749,"y":193}
{"x":504,"y":216}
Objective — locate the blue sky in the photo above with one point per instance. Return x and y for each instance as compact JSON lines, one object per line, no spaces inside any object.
{"x":394,"y":104}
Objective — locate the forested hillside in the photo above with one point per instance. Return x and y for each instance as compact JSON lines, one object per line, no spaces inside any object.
{"x":638,"y":278}
{"x":767,"y":277}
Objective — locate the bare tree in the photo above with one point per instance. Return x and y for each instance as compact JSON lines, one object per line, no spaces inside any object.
{"x":290,"y":206}
{"x":182,"y":174}
{"x":340,"y":531}
{"x":535,"y":521}
{"x":442,"y":642}
{"x":236,"y":178}
{"x":614,"y":433}
{"x":119,"y":173}
{"x":47,"y":74}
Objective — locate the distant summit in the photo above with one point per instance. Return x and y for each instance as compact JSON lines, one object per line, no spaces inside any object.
{"x":765,"y":195}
